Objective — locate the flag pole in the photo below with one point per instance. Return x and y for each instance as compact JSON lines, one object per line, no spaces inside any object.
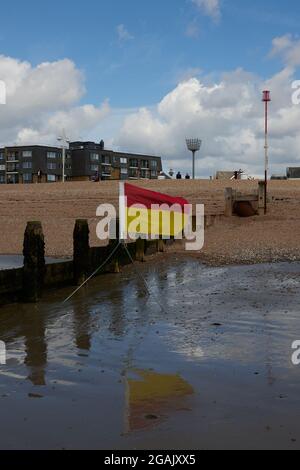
{"x":122,"y":213}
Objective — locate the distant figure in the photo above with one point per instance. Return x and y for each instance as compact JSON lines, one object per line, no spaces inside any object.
{"x":178,"y":176}
{"x":39,"y":176}
{"x":187,"y":177}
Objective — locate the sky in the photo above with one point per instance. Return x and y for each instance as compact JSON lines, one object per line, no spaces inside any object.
{"x":144,"y":75}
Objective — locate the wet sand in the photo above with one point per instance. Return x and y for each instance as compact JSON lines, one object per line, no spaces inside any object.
{"x":111,"y":370}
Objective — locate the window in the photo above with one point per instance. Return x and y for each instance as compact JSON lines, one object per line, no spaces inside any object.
{"x":12,"y":167}
{"x":134,"y":163}
{"x":145,"y":173}
{"x":105,"y":160}
{"x":51,"y":166}
{"x":94,"y":168}
{"x":27,"y":154}
{"x":13,"y":179}
{"x":1,"y":156}
{"x":27,"y":165}
{"x":94,"y":157}
{"x":153,"y":165}
{"x":153,"y":174}
{"x":2,"y":179}
{"x":27,"y":178}
{"x":123,"y":161}
{"x":145,"y":164}
{"x":2,"y":167}
{"x":12,"y":156}
{"x":51,"y":178}
{"x":51,"y":155}
{"x":124,"y":171}
{"x":116,"y":160}
{"x":133,"y":173}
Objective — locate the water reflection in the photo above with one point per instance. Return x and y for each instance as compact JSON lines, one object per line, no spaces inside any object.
{"x":218,"y":327}
{"x":27,"y":324}
{"x":33,"y":330}
{"x":82,"y":326}
{"x":151,"y":397}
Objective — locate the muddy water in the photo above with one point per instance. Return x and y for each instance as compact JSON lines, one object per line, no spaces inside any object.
{"x":17,"y":261}
{"x":112,"y":370}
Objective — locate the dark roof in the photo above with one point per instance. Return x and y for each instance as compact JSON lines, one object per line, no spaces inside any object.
{"x":94,"y":146}
{"x":32,"y":147}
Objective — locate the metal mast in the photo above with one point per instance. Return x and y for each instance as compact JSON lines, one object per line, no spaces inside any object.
{"x":194,"y":145}
{"x":266,"y":99}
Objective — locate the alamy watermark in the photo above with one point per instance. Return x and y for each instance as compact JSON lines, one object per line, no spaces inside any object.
{"x":160,"y":222}
{"x":2,"y":92}
{"x":2,"y":353}
{"x":296,"y":353}
{"x":296,"y":93}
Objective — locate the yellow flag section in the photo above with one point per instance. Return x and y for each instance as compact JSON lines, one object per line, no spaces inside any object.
{"x":149,"y":214}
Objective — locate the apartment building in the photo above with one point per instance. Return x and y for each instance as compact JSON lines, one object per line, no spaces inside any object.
{"x":84,"y":161}
{"x":91,"y":160}
{"x":33,"y":164}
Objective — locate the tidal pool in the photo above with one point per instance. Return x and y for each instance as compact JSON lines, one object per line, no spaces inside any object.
{"x":202,"y":363}
{"x":17,"y":261}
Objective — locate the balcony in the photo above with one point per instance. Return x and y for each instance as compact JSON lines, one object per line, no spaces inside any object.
{"x":12,"y":168}
{"x":145,"y":174}
{"x":133,"y":174}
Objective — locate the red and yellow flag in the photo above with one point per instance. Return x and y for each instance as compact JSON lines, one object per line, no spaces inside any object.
{"x":151,"y":214}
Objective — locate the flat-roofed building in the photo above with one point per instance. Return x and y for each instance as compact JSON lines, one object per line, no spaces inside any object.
{"x":293,"y":173}
{"x":36,"y":163}
{"x":2,"y":166}
{"x":91,"y":160}
{"x":84,"y":161}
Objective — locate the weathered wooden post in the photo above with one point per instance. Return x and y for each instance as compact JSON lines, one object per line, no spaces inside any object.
{"x":114,"y":265}
{"x":161,"y":246}
{"x":261,"y":195}
{"x":34,"y":262}
{"x":81,"y":246}
{"x":228,"y":202}
{"x":140,"y":250}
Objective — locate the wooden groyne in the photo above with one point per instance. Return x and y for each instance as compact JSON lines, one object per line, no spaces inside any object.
{"x":27,"y":283}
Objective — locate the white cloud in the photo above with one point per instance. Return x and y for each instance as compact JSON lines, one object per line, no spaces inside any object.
{"x":209,"y":7}
{"x":123,"y":33}
{"x":288,"y":48}
{"x":42,"y":100}
{"x":228,"y":115}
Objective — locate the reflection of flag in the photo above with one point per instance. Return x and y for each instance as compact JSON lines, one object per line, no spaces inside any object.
{"x":151,"y":397}
{"x":150,"y":213}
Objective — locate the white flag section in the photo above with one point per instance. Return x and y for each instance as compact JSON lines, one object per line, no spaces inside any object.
{"x":2,"y":353}
{"x":122,"y":212}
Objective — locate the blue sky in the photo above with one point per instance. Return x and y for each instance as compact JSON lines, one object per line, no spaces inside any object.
{"x":141,"y":70}
{"x":153,"y":61}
